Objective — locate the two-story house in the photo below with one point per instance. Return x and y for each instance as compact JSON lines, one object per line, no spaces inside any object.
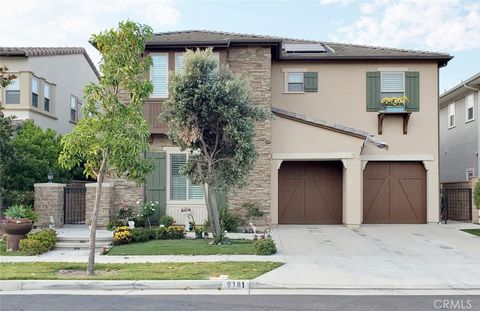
{"x":49,"y":84}
{"x":316,"y":162}
{"x":460,"y":131}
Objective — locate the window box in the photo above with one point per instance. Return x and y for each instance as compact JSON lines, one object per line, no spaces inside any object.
{"x":395,"y":108}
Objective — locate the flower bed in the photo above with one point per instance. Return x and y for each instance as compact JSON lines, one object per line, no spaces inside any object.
{"x":125,"y":235}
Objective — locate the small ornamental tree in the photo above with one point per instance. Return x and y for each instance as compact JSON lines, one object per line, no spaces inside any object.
{"x":113,"y":135}
{"x":211,"y":113}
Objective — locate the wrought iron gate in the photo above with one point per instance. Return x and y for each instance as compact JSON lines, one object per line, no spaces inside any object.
{"x":74,"y":206}
{"x":456,"y":204}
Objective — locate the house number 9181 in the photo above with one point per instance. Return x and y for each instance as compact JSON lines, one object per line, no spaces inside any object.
{"x":232,"y":284}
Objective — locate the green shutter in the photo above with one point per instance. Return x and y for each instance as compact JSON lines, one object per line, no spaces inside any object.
{"x":412,"y":90}
{"x":155,"y":183}
{"x":310,"y":81}
{"x":373,"y":91}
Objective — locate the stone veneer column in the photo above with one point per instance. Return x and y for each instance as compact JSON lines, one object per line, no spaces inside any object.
{"x":126,"y":193}
{"x":254,"y":65}
{"x":106,"y":202}
{"x":49,"y":202}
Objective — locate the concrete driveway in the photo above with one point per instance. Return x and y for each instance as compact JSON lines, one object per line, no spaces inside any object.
{"x":377,"y":257}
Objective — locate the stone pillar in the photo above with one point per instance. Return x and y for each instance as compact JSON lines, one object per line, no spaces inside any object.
{"x":106,"y":201}
{"x":126,"y":193}
{"x":475,"y":209}
{"x":49,"y":202}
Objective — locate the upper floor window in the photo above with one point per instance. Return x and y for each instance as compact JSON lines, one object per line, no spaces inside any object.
{"x":73,"y":108}
{"x":12,"y":92}
{"x":392,"y":84}
{"x":35,"y":92}
{"x":180,"y":187}
{"x":469,"y":114}
{"x":469,"y":173}
{"x":46,"y":97}
{"x":179,"y":59}
{"x":295,"y":81}
{"x":159,"y":75}
{"x":451,"y":115}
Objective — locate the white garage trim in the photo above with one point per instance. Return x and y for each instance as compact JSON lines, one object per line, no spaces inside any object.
{"x":312,"y":156}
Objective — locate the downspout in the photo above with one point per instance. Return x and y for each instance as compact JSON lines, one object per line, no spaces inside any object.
{"x":469,"y":87}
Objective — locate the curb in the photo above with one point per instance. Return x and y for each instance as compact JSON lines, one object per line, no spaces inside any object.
{"x":110,"y":285}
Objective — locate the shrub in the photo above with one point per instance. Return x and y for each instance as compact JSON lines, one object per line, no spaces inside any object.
{"x":161,"y":233}
{"x":139,"y":221}
{"x":228,"y":221}
{"x":139,"y":235}
{"x":114,"y":223}
{"x":166,"y":220}
{"x":122,"y":235}
{"x":476,"y":195}
{"x":264,"y":247}
{"x":39,"y":242}
{"x":175,"y":233}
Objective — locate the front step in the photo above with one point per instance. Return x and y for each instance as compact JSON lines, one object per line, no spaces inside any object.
{"x":81,"y":243}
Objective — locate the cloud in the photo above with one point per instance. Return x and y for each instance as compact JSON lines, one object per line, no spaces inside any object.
{"x":441,"y":25}
{"x":71,"y":22}
{"x":341,"y":2}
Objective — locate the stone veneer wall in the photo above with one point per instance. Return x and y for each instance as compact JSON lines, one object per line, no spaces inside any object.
{"x":254,"y":65}
{"x":106,"y":202}
{"x":49,"y":202}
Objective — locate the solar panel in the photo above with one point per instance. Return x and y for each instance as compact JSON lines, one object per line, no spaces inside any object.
{"x":303,"y":48}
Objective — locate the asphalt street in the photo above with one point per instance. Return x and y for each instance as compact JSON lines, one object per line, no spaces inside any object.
{"x":236,"y":302}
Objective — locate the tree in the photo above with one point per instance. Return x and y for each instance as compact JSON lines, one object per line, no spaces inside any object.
{"x":113,"y":135}
{"x":211,"y":113}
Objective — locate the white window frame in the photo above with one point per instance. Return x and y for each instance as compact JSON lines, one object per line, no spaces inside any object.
{"x":182,"y":54}
{"x":76,"y":108}
{"x":166,"y":82}
{"x":14,"y":86}
{"x":469,"y":170}
{"x":382,"y":73}
{"x":187,"y":201}
{"x":47,"y":94}
{"x":469,"y":103}
{"x":451,"y":112}
{"x":35,"y":90}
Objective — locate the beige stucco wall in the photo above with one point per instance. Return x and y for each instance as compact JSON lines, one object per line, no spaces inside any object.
{"x":341,"y":98}
{"x":68,"y":75}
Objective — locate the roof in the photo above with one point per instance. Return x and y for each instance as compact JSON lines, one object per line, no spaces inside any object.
{"x":331,"y":51}
{"x":46,"y":51}
{"x":461,"y":89}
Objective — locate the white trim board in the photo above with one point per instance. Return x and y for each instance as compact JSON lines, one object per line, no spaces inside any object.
{"x":425,"y":157}
{"x":312,"y":156}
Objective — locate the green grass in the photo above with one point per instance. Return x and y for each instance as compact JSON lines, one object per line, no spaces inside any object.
{"x":136,"y":271}
{"x":183,"y":247}
{"x":472,"y":231}
{"x":3,"y":251}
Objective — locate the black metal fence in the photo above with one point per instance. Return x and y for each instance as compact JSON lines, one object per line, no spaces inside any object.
{"x":456,"y":204}
{"x":74,"y":206}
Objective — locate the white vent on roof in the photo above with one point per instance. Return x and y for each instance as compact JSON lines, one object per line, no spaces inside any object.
{"x":304,"y":48}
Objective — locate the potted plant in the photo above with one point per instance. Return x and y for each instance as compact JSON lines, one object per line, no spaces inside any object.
{"x":17,"y":223}
{"x":394,"y":104}
{"x":198,"y":232}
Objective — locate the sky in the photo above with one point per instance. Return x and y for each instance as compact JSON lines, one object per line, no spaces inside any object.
{"x":449,"y":26}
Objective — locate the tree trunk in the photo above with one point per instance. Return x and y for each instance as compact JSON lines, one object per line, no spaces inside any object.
{"x":96,"y":209}
{"x":212,"y":208}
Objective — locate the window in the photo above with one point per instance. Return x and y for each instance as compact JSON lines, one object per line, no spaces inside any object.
{"x":451,"y":115}
{"x":73,"y":108}
{"x":180,"y":187}
{"x":12,"y":92}
{"x":159,"y":75}
{"x":46,"y":97}
{"x":295,"y":81}
{"x":392,"y":84}
{"x":34,"y":92}
{"x":469,"y":116}
{"x":469,"y":173}
{"x":179,"y":58}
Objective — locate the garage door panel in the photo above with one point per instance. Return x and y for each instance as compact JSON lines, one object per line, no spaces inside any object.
{"x":318,"y":195}
{"x":402,"y":196}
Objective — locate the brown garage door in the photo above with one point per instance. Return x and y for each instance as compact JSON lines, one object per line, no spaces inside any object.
{"x":394,"y":192}
{"x":310,"y":193}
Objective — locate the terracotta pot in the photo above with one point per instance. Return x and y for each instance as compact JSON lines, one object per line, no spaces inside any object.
{"x":17,"y":229}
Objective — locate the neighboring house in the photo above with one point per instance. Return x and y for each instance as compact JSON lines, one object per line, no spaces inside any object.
{"x":49,"y":84}
{"x":318,"y":161}
{"x":460,"y":131}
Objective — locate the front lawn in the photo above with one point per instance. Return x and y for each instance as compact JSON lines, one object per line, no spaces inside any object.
{"x":3,"y":251}
{"x":183,"y":247}
{"x":472,"y":231}
{"x":135,"y":271}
